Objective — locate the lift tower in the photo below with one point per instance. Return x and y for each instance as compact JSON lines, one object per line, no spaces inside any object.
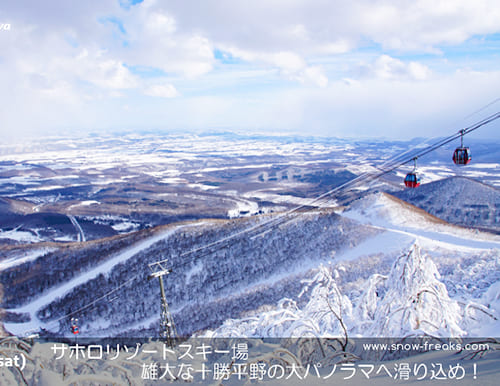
{"x":167,"y":326}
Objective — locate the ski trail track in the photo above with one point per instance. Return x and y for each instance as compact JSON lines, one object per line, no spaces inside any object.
{"x":79,"y":230}
{"x":49,"y":296}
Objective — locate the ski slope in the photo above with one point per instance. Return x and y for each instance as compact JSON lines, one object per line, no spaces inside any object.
{"x":16,"y":260}
{"x":46,"y":298}
{"x":393,"y":215}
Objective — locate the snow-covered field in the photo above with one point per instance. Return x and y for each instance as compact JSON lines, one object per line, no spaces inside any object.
{"x":194,"y":176}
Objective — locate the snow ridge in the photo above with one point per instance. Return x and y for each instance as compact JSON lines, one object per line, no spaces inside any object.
{"x":458,"y":200}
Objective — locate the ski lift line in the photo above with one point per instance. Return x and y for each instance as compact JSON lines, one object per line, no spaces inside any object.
{"x":150,"y":265}
{"x":442,"y":142}
{"x":392,"y":165}
{"x":454,"y":136}
{"x":370,"y":176}
{"x":256,"y":226}
{"x":284,"y":214}
{"x":276,"y":221}
{"x":461,"y":133}
{"x":445,"y":141}
{"x":351,"y":183}
{"x":483,"y":108}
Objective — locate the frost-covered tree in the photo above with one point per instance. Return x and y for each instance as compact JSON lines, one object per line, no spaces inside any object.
{"x":416,"y":301}
{"x":287,"y":320}
{"x":364,"y":312}
{"x":327,"y":306}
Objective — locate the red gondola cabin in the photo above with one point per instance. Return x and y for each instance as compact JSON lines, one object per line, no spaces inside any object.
{"x":461,"y":156}
{"x":412,"y":180}
{"x":74,"y":326}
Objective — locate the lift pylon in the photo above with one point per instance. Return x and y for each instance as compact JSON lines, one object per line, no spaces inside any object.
{"x":167,"y":326}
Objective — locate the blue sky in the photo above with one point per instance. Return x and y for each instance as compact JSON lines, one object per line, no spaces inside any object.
{"x":366,"y":68}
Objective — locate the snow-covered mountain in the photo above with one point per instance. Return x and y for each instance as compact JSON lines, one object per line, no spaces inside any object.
{"x":323,"y":273}
{"x":458,"y":200}
{"x":221,"y":281}
{"x":420,"y":275}
{"x":79,"y":228}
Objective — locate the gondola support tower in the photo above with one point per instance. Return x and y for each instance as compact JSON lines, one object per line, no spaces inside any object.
{"x":167,"y":326}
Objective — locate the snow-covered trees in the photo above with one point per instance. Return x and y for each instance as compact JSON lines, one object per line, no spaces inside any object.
{"x":411,"y":300}
{"x":324,"y":314}
{"x":415,"y":301}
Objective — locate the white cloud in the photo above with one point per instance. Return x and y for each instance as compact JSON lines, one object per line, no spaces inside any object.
{"x":418,"y":71}
{"x":69,"y":61}
{"x":287,"y":61}
{"x":161,"y":90}
{"x":316,"y":75}
{"x":426,"y":24}
{"x":388,"y":68}
{"x":156,"y":39}
{"x":160,"y":23}
{"x":307,"y":26}
{"x":99,"y":69}
{"x":291,"y":65}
